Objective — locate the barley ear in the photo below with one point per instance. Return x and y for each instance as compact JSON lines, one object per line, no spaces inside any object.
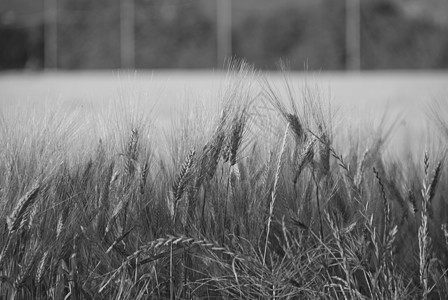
{"x":386,"y":208}
{"x":236,"y":137}
{"x":60,"y":226}
{"x":131,"y":153}
{"x":324,"y":151}
{"x":296,"y":126}
{"x":41,"y":267}
{"x":117,"y":209}
{"x":424,"y":240}
{"x":181,"y":182}
{"x":360,"y":169}
{"x":434,"y":181}
{"x":17,"y":215}
{"x":305,"y":157}
{"x":143,"y":176}
{"x":212,"y":152}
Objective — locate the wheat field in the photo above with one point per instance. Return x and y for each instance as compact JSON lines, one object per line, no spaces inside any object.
{"x":261,"y":187}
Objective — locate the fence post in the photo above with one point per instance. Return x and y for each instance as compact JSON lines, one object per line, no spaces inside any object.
{"x":353,"y":34}
{"x":224,"y":31}
{"x":127,"y":34}
{"x":50,"y":34}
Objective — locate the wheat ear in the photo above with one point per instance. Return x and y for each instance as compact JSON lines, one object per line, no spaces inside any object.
{"x":17,"y":215}
{"x":424,"y":240}
{"x":181,"y":183}
{"x":324,"y":151}
{"x":41,"y":267}
{"x":434,"y":181}
{"x":131,"y":152}
{"x":305,"y":157}
{"x":236,"y":138}
{"x":143,"y":176}
{"x":386,"y":208}
{"x":296,"y":126}
{"x":360,"y":169}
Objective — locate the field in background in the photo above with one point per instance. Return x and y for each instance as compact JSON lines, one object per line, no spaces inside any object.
{"x":362,"y":97}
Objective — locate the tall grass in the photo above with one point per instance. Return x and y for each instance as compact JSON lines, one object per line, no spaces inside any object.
{"x":257,"y":200}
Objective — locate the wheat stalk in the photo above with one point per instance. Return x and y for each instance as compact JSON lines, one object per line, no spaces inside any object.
{"x":104,"y":200}
{"x":275,"y":191}
{"x":181,"y":242}
{"x":339,"y":238}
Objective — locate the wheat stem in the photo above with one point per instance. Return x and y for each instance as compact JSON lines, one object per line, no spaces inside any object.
{"x":274,"y":192}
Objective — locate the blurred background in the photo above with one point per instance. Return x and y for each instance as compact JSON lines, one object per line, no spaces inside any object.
{"x":201,"y":34}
